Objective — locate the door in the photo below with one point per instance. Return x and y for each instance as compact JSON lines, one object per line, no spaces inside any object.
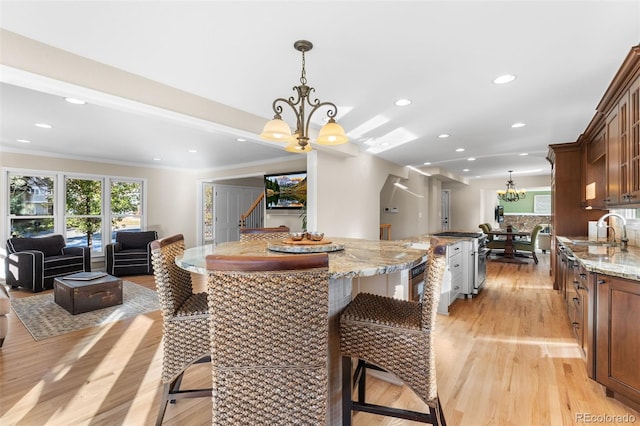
{"x":444,"y":209}
{"x":229,"y":202}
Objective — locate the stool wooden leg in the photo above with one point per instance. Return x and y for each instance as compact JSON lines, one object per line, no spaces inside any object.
{"x":347,"y":390}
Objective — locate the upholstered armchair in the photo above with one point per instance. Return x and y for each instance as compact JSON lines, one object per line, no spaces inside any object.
{"x":530,"y":245}
{"x":131,"y":253}
{"x":33,"y":263}
{"x":492,"y":243}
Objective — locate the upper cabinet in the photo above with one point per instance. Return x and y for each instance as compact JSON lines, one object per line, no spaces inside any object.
{"x":616,"y":128}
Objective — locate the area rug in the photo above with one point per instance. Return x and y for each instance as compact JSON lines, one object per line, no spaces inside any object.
{"x":44,"y":318}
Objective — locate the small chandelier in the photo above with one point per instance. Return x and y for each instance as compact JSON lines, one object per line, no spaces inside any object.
{"x":279,"y":131}
{"x":511,"y":194}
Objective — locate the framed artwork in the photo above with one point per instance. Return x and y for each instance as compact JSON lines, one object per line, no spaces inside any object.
{"x":542,"y":204}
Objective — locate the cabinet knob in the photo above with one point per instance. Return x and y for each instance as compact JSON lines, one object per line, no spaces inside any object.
{"x":601,"y":281}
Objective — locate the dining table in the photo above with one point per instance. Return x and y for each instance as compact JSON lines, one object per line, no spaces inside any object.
{"x":349,"y":258}
{"x":510,"y":254}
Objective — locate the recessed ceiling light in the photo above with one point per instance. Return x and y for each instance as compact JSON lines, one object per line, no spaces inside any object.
{"x":75,"y":101}
{"x":516,"y":125}
{"x":240,"y":140}
{"x":402,"y":102}
{"x":444,"y":135}
{"x":427,"y":163}
{"x":506,"y":78}
{"x":524,"y":153}
{"x":23,"y":141}
{"x":465,"y":170}
{"x":460,"y":150}
{"x":44,"y":125}
{"x":471,"y":159}
{"x":157,"y":159}
{"x":193,"y":151}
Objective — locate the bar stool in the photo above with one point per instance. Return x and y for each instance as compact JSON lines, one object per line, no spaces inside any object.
{"x":396,"y":336}
{"x":269,"y":338}
{"x":185,"y":321}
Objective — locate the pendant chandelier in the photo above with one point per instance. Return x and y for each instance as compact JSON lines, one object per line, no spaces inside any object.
{"x":279,"y":131}
{"x":511,"y":194}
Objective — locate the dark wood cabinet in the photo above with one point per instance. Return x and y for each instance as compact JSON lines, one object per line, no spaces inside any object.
{"x":594,"y":176}
{"x":618,"y":338}
{"x":583,"y":303}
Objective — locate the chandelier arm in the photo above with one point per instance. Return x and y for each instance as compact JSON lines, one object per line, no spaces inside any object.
{"x":331,"y":113}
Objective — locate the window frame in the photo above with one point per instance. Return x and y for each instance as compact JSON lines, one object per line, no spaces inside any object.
{"x":59,"y":211}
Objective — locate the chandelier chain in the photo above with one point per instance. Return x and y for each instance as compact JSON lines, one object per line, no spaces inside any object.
{"x":303,"y":76}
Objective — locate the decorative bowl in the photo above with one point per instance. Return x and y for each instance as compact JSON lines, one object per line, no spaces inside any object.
{"x":296,"y":236}
{"x":315,"y":236}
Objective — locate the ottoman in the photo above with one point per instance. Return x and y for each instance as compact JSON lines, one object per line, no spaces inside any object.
{"x":79,"y":296}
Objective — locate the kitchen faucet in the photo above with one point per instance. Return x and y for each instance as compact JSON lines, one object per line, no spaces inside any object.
{"x":623,"y":239}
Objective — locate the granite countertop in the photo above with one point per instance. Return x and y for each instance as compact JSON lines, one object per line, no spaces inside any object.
{"x":359,"y":257}
{"x":605,"y":260}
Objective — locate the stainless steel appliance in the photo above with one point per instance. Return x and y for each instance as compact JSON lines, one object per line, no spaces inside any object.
{"x":477,"y":265}
{"x":416,"y":282}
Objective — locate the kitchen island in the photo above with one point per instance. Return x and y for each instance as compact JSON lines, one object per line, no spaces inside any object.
{"x":359,"y":258}
{"x":601,"y":286}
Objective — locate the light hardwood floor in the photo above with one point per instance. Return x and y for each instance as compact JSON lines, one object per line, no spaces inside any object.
{"x":505,"y":357}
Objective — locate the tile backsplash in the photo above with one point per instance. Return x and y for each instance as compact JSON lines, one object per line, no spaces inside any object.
{"x":524,"y":222}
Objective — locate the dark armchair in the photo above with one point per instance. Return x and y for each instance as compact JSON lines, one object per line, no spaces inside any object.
{"x":33,"y":263}
{"x":131,"y":253}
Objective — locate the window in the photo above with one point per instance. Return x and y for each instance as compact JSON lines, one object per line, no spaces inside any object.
{"x":126,"y":206}
{"x":82,"y":208}
{"x":83,"y":212}
{"x":31,"y":205}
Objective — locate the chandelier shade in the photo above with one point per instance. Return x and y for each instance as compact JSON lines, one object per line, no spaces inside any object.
{"x":511,"y":194}
{"x":279,"y":131}
{"x":276,"y":130}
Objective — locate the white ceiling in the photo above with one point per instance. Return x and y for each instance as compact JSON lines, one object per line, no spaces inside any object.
{"x":443,"y":55}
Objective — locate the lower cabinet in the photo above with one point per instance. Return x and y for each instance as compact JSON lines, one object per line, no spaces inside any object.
{"x":618,"y":338}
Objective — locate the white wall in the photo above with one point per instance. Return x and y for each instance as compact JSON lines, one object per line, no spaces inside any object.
{"x":347,"y":193}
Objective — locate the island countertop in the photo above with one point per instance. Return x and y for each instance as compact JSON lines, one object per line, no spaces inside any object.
{"x":358,"y":259}
{"x":605,"y":260}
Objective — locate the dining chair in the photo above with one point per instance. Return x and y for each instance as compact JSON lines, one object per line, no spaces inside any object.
{"x":393,"y":335}
{"x":252,"y":234}
{"x":269,"y":338}
{"x":530,"y":244}
{"x":185,"y":322}
{"x":492,"y":243}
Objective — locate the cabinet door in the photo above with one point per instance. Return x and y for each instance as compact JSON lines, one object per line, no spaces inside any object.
{"x":618,"y":337}
{"x":633,"y":195}
{"x":613,"y":158}
{"x":595,"y":171}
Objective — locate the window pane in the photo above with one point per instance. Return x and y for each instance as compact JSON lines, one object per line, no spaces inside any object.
{"x":126,"y":198}
{"x":125,"y":223}
{"x":31,"y":196}
{"x":84,"y":196}
{"x":31,"y":227}
{"x":84,"y":231}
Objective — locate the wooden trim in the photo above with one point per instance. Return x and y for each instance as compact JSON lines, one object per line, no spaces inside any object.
{"x":628,"y":71}
{"x":267,"y":263}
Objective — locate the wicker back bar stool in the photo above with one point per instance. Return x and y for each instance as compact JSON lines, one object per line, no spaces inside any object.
{"x":269,"y":339}
{"x":185,"y":321}
{"x":393,"y":335}
{"x":251,"y":234}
